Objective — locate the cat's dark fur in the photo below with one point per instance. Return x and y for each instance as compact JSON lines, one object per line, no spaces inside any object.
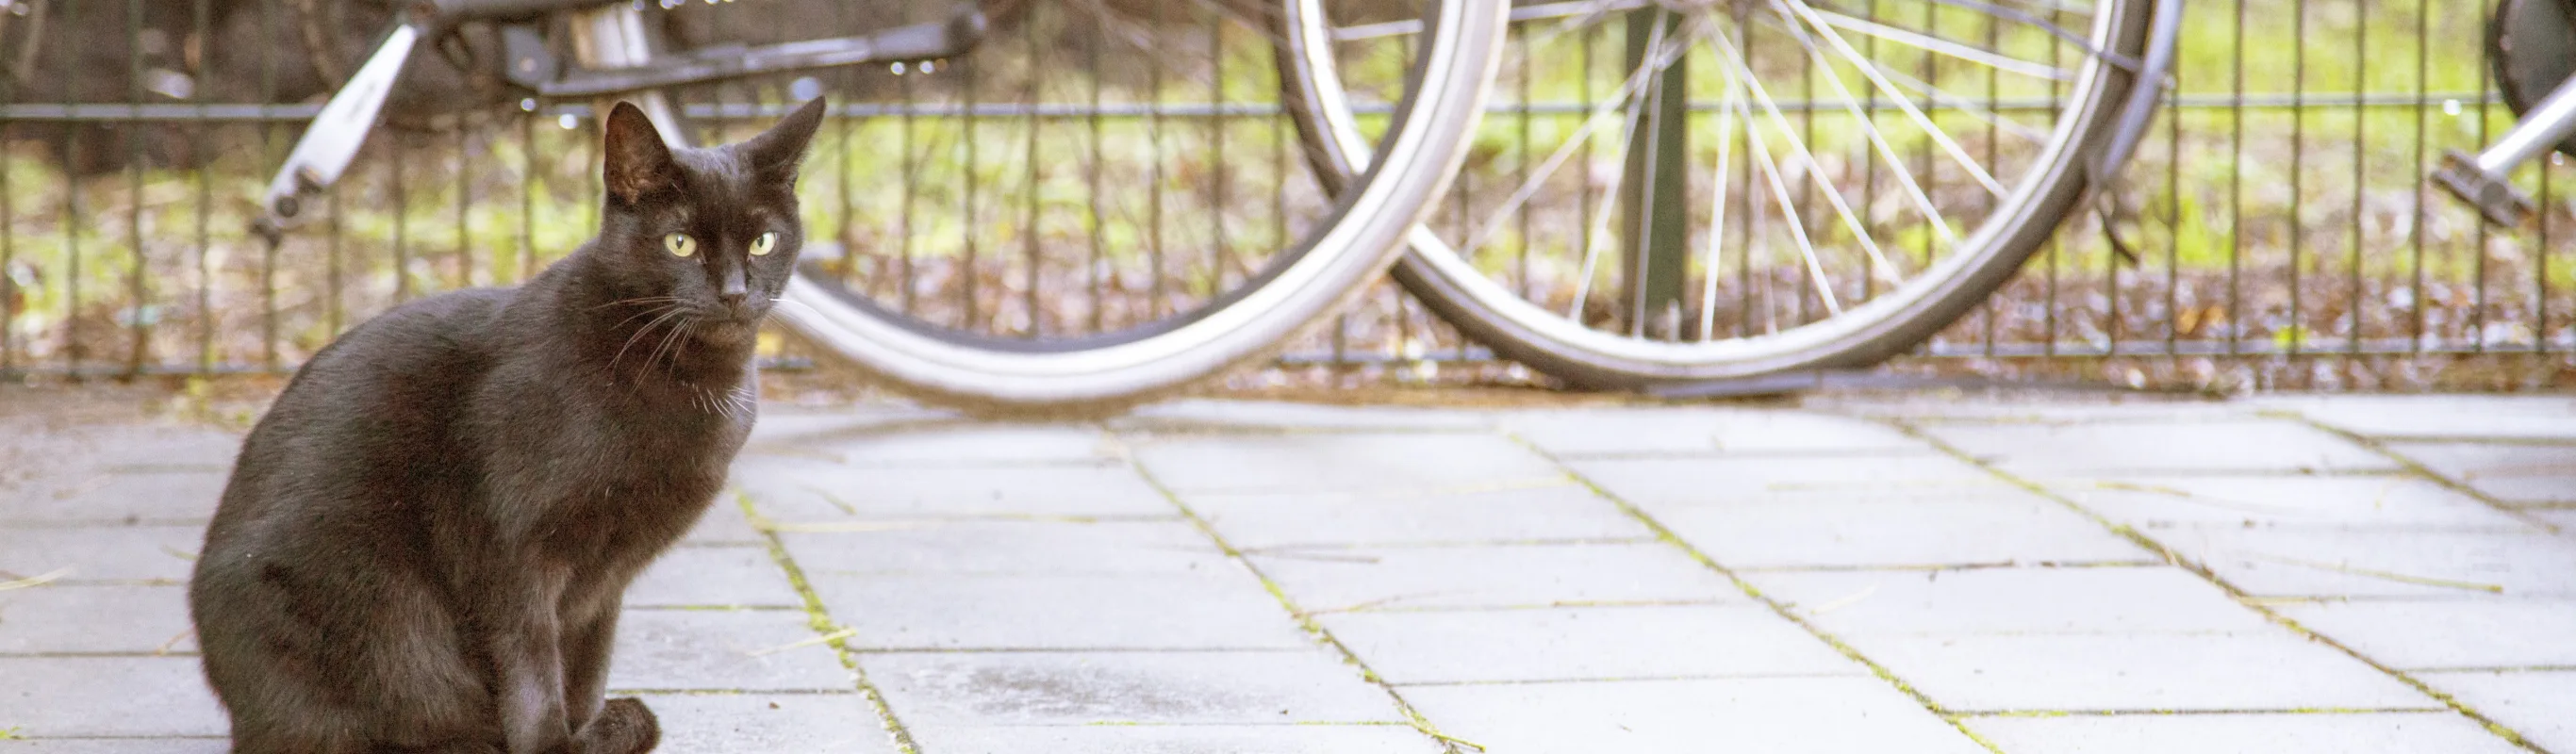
{"x":424,"y":543}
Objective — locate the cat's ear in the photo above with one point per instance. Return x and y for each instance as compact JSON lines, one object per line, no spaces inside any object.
{"x":638,"y":163}
{"x":776,"y":152}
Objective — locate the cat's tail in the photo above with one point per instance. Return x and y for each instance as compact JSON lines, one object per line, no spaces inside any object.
{"x":624,"y":726}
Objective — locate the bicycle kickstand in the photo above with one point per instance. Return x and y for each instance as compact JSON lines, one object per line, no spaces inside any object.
{"x":331,"y":142}
{"x":2481,"y":180}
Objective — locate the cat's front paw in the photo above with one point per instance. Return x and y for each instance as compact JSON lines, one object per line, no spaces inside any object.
{"x":624,"y":726}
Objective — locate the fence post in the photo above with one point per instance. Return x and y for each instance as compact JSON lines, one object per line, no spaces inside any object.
{"x":1653,"y":209}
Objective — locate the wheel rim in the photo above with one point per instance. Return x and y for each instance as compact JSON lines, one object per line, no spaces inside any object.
{"x":1356,"y":237}
{"x":1833,"y":290}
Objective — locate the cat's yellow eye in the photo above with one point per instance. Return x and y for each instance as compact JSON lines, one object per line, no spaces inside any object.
{"x":767,"y":241}
{"x":680,"y":244}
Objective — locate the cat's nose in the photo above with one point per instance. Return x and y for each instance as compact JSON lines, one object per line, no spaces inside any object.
{"x":735,"y":290}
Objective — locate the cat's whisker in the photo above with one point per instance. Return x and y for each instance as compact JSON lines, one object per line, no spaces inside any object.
{"x":636,"y":300}
{"x":639,"y":334}
{"x":809,"y":308}
{"x":645,"y":313}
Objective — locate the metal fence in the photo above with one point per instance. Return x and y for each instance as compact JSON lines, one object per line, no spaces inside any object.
{"x":2285,"y":237}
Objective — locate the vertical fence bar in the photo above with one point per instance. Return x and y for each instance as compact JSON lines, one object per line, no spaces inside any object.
{"x":527,"y":190}
{"x":464,"y":204}
{"x":1092,"y":273}
{"x":271,"y":156}
{"x":73,"y":217}
{"x":1218,"y":258}
{"x":1154,"y":174}
{"x":2540,"y":269}
{"x":402,"y":216}
{"x":1516,"y":39}
{"x":2415,"y":233}
{"x":1030,"y":231}
{"x":967,"y":73}
{"x":2236,"y":193}
{"x":2296,"y":334}
{"x":2173,"y":221}
{"x":2478,"y":316}
{"x":12,"y":292}
{"x":201,"y":16}
{"x":138,"y":305}
{"x":2360,"y":180}
{"x":334,"y":310}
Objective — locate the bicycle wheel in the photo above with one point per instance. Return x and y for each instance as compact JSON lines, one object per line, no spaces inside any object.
{"x":1693,"y":191}
{"x":1143,"y":308}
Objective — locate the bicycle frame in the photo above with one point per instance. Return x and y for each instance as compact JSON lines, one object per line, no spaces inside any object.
{"x":611,"y":49}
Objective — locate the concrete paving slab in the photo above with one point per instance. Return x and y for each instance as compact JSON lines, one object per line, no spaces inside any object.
{"x":721,"y":650}
{"x":1709,"y":481}
{"x":737,"y":576}
{"x":801,"y":490}
{"x":1223,"y":415}
{"x":1042,"y":611}
{"x":2539,"y":705}
{"x":1472,"y":646}
{"x":2026,"y":601}
{"x":107,"y":697}
{"x":113,"y":553}
{"x":1771,"y":715}
{"x":1871,"y":533}
{"x":2514,"y":473}
{"x":2448,"y":633}
{"x":1177,"y":739}
{"x":772,"y":723}
{"x":1058,"y":548}
{"x":2264,"y":445}
{"x":1508,"y":576}
{"x":1549,"y":511}
{"x":952,"y":442}
{"x":2135,"y":672}
{"x":2507,"y":416}
{"x":197,"y":745}
{"x":2379,"y":733}
{"x":185,"y":495}
{"x":2284,"y":563}
{"x":1963,"y":407}
{"x":96,"y":619}
{"x":1414,"y":462}
{"x":1606,"y":431}
{"x":1305,"y":686}
{"x":791,"y":425}
{"x":724,"y":524}
{"x":2391,"y":502}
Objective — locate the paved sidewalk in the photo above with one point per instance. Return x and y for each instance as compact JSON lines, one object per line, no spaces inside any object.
{"x":2353,"y":574}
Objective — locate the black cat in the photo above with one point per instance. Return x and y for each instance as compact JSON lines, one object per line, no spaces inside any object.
{"x":424,"y":543}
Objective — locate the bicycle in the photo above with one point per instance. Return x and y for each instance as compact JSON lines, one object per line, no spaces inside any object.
{"x":1337,"y":91}
{"x":614,"y":56}
{"x":1913,"y":133}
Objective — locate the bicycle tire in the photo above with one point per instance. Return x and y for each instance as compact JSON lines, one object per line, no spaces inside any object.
{"x":1105,"y":373}
{"x":1551,"y":343}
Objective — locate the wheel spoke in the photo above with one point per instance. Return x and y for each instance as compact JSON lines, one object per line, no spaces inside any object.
{"x":1734,"y":59}
{"x":1913,"y":189}
{"x":1931,"y":43}
{"x":1770,"y":171}
{"x":1592,"y":238}
{"x":1580,"y":13}
{"x":1921,"y":120}
{"x":1625,"y":96}
{"x":1717,"y":205}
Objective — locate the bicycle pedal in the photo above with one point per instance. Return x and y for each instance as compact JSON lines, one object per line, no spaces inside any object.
{"x":2496,"y":200}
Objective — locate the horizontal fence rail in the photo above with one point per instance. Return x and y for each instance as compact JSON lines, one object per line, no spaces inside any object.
{"x":2285,"y":236}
